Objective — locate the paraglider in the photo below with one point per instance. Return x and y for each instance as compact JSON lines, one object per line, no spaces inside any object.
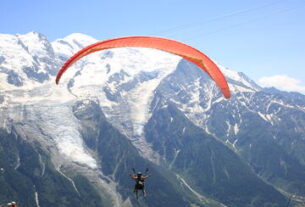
{"x":185,"y":51}
{"x":171,"y":46}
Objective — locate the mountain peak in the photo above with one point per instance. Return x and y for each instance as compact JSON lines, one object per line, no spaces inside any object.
{"x":238,"y":81}
{"x":70,"y":44}
{"x":33,"y":35}
{"x":79,"y":37}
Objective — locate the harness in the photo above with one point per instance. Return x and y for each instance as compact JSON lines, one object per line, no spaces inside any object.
{"x":140,"y":183}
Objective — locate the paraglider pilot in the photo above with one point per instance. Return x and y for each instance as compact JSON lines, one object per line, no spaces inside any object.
{"x":139,"y":178}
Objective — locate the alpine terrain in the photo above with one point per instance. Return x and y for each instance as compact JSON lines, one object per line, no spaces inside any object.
{"x":74,"y":144}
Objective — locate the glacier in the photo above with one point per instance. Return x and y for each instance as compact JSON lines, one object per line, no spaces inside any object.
{"x":124,"y":81}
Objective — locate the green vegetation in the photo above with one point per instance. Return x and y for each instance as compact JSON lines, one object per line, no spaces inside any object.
{"x":206,"y":164}
{"x":24,"y":175}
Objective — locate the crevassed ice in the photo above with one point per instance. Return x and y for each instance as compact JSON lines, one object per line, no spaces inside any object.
{"x":60,"y":124}
{"x":133,"y":61}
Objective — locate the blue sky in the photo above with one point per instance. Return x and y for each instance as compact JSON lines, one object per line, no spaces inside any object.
{"x":265,"y":39}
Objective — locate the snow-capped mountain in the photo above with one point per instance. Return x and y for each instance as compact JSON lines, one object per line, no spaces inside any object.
{"x":131,"y":91}
{"x":124,"y":81}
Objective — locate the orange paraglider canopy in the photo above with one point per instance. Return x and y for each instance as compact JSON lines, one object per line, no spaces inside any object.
{"x":185,"y":51}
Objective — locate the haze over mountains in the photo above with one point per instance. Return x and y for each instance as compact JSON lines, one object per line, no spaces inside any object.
{"x":74,"y":144}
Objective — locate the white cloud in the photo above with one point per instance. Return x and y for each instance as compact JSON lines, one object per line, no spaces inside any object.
{"x":282,"y":82}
